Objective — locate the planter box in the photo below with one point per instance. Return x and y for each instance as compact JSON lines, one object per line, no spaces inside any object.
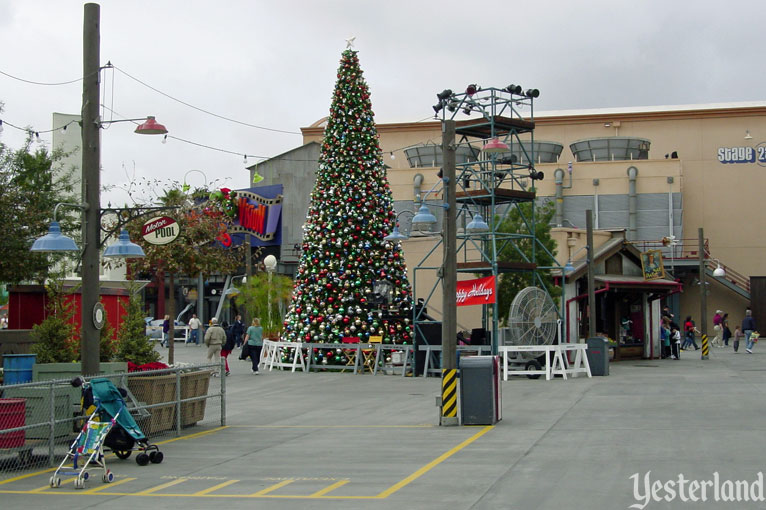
{"x":38,"y":410}
{"x":49,"y":371}
{"x":159,"y":389}
{"x":68,"y":371}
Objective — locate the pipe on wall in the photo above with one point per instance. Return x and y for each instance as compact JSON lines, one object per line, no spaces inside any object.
{"x":632,"y":203}
{"x":558,"y":177}
{"x":417,"y":182}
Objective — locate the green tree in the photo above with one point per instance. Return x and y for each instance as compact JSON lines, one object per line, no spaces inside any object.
{"x":132,"y":342}
{"x":57,"y":338}
{"x":32,"y":182}
{"x":195,"y":251}
{"x":256,"y":294}
{"x":351,"y":211}
{"x":519,"y":220}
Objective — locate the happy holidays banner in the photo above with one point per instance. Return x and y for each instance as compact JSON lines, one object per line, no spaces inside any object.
{"x":476,"y":292}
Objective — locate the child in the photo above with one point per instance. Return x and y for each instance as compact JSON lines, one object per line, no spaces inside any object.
{"x":738,"y":334}
{"x":676,"y":341}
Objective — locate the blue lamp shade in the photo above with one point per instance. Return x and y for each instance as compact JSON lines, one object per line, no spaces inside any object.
{"x":568,"y":267}
{"x":477,"y":224}
{"x":424,"y":217}
{"x":123,"y":248}
{"x":395,"y":235}
{"x":54,"y":240}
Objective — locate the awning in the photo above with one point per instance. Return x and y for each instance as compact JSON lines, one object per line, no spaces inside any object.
{"x":617,"y":281}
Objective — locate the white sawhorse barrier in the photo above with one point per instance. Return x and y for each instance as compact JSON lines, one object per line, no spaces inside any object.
{"x":554,"y":360}
{"x":271,"y":355}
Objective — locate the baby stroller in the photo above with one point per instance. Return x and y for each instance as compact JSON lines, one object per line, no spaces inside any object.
{"x":109,"y":424}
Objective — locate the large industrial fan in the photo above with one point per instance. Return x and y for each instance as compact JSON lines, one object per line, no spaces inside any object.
{"x":532,"y":320}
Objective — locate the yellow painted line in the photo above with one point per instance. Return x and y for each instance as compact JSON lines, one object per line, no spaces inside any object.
{"x":193,"y":436}
{"x":215,"y":488}
{"x":161,"y":486}
{"x":28,"y":475}
{"x":272,"y":488}
{"x":48,"y":486}
{"x":329,"y":488}
{"x":420,"y":472}
{"x":422,"y":426}
{"x":50,"y":470}
{"x":107,"y":486}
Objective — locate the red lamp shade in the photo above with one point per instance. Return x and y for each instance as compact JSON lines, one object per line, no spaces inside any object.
{"x":151,"y":127}
{"x":494,"y":146}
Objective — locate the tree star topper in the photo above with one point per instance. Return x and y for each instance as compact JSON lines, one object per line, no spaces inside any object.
{"x":350,"y":42}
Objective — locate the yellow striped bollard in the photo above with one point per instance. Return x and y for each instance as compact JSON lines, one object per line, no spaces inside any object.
{"x":705,"y":347}
{"x":449,"y":393}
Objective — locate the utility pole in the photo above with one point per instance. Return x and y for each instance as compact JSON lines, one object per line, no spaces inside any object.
{"x":591,"y":282}
{"x":449,"y":279}
{"x":91,"y":158}
{"x":703,"y":295}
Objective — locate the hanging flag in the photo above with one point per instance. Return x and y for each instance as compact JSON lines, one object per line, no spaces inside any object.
{"x":476,"y":292}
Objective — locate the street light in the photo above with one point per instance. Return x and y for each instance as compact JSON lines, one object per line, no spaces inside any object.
{"x":271,"y":265}
{"x":91,"y":189}
{"x":719,"y":272}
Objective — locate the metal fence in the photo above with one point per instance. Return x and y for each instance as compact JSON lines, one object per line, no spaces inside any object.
{"x":39,"y":421}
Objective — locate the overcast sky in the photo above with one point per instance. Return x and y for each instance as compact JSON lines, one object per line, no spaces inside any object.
{"x":273,"y":64}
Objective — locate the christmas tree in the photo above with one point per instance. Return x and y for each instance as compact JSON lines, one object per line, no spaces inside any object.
{"x":344,"y":251}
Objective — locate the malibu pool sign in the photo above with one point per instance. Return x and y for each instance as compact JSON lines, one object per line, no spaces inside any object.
{"x":160,"y":230}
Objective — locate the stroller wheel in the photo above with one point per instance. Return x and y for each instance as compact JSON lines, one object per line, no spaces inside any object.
{"x":156,"y":457}
{"x":85,"y":476}
{"x":55,"y":481}
{"x":122,"y":454}
{"x":108,"y":477}
{"x":79,"y":483}
{"x":142,"y":459}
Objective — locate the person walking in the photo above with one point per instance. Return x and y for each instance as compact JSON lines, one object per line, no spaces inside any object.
{"x":690,"y":329}
{"x":238,"y":329}
{"x":738,"y":335}
{"x":228,"y":346}
{"x":194,"y":325}
{"x":718,"y":338}
{"x":215,"y":338}
{"x":748,"y":326}
{"x":254,"y":340}
{"x":166,"y":332}
{"x":726,"y":330}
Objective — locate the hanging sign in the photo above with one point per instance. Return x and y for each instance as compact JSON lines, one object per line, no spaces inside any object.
{"x":651,"y":265}
{"x":160,"y":230}
{"x":476,"y":292}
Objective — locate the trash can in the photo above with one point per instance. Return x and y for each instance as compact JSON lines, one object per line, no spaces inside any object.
{"x":480,"y":397}
{"x":17,"y":368}
{"x":598,"y":355}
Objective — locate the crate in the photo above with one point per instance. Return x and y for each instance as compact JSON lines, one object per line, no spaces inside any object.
{"x":162,"y":388}
{"x":194,"y":384}
{"x":38,"y":405}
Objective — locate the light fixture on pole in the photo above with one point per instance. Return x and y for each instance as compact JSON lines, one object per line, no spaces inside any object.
{"x":424,"y":218}
{"x":270,"y":262}
{"x":151,"y":127}
{"x":495,"y":146}
{"x":477,"y":225}
{"x":719,"y":272}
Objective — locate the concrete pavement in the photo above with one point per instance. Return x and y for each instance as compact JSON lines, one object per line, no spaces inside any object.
{"x":344,"y":441}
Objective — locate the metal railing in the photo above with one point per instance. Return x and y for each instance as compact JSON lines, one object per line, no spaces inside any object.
{"x":40,"y":420}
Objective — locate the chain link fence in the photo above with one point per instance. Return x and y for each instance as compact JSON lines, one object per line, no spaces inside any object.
{"x":39,"y":421}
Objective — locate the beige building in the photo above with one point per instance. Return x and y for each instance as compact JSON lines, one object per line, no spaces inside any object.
{"x":647,"y":173}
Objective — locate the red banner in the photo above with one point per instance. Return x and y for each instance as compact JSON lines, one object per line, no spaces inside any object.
{"x":476,"y":292}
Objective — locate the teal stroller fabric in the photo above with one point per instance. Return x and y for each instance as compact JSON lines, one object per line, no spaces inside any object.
{"x":110,"y":401}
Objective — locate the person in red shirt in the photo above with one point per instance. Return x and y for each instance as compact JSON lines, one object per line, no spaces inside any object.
{"x":690,"y":330}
